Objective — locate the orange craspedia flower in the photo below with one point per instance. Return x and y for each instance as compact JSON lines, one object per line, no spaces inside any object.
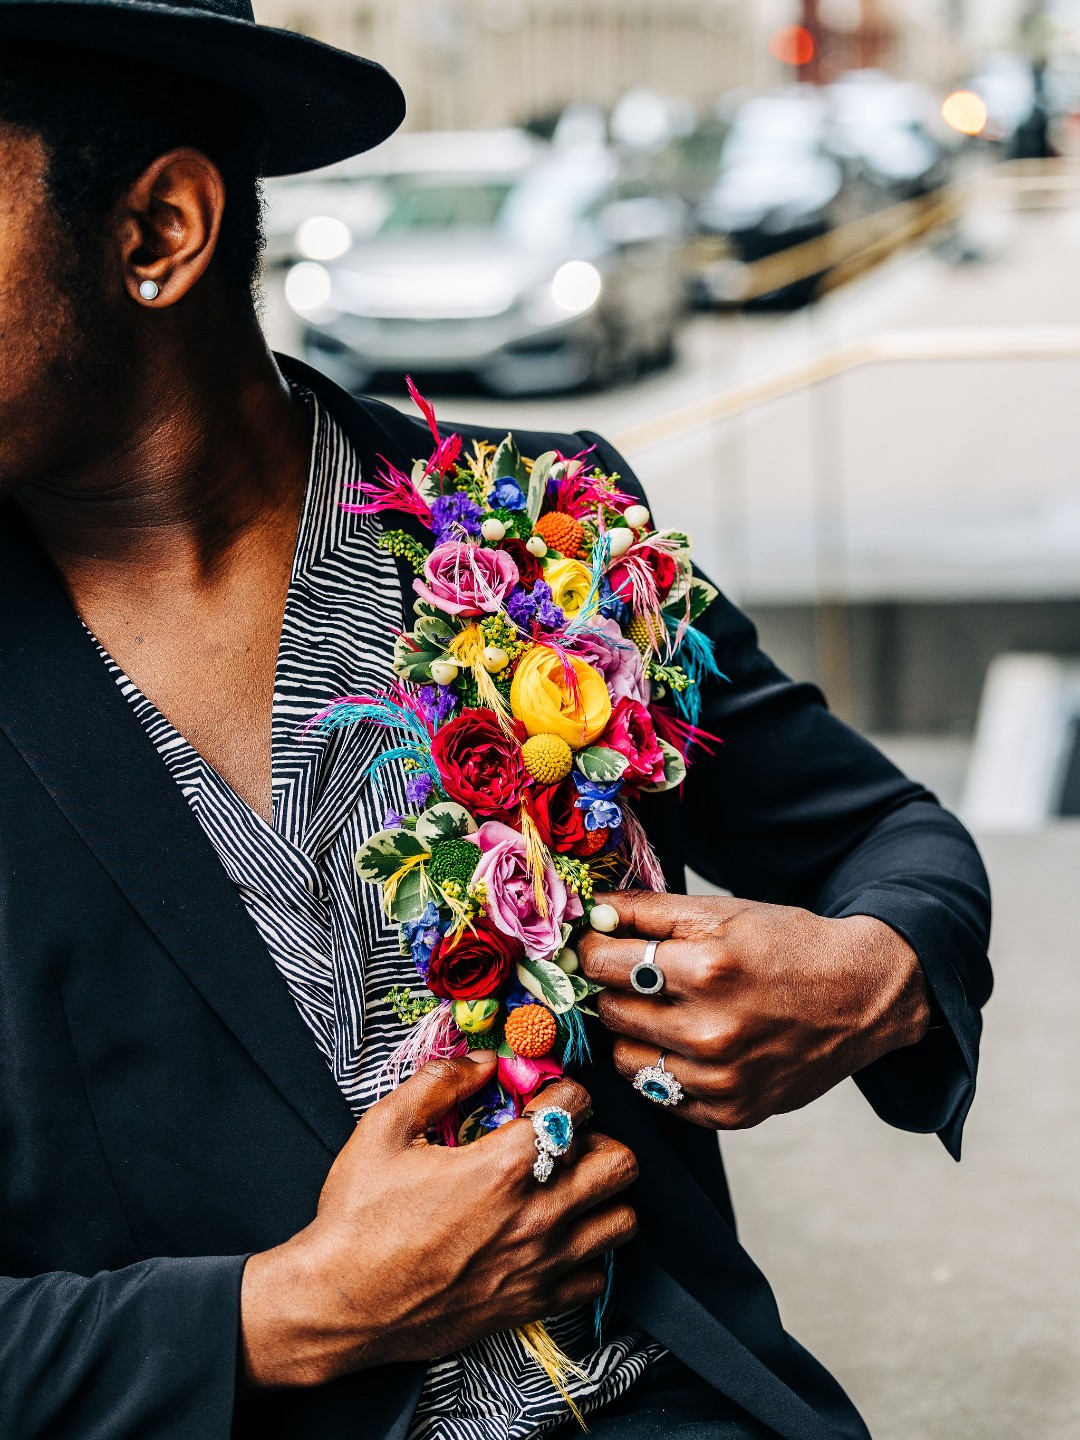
{"x":531,"y":1030}
{"x":561,"y":532}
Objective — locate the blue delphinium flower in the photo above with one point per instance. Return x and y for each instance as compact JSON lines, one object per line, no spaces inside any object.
{"x":597,"y":799}
{"x":392,"y":820}
{"x":421,"y":936}
{"x":451,"y":514}
{"x":507,"y":494}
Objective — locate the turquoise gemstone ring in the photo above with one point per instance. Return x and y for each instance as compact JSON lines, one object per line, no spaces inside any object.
{"x":554,"y":1130}
{"x":657,"y":1083}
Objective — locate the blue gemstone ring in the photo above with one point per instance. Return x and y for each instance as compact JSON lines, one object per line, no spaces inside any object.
{"x":657,"y":1083}
{"x":554,"y":1130}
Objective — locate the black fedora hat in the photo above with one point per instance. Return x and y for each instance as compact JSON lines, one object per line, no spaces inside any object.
{"x":320,"y":104}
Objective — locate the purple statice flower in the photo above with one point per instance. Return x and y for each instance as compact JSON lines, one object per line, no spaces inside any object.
{"x":392,"y":820}
{"x":453,"y":514}
{"x":521,"y":608}
{"x":548,"y":616}
{"x":418,"y":787}
{"x":438,"y":701}
{"x":507,"y":494}
{"x":421,"y":936}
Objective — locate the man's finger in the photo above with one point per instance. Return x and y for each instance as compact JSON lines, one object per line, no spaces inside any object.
{"x":610,"y":962}
{"x":663,"y":1024}
{"x":646,"y":912}
{"x":408,"y":1112}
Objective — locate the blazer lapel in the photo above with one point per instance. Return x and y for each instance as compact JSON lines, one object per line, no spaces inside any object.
{"x":62,"y":710}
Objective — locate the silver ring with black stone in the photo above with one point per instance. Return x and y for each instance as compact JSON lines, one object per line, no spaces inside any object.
{"x":646,"y":977}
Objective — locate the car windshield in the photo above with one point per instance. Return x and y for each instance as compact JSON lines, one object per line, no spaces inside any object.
{"x":506,"y":205}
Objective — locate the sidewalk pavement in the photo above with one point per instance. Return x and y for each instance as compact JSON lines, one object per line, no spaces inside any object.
{"x":947,"y":1298}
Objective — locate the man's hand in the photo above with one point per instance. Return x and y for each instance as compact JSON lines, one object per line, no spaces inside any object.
{"x":418,"y":1249}
{"x":765,"y":1007}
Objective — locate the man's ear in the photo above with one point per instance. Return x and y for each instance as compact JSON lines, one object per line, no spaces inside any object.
{"x":169,"y":224}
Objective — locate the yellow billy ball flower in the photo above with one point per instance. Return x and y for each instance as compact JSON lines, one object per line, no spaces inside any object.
{"x":547,"y":758}
{"x":645,"y":633}
{"x":547,"y":702}
{"x":570,"y":583}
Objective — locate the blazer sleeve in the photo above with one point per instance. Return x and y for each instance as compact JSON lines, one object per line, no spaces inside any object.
{"x":795,"y":808}
{"x":143,"y":1353}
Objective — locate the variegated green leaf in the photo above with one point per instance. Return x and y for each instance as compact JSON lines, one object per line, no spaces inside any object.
{"x":602,"y":764}
{"x":412,"y":664}
{"x":508,"y":462}
{"x":581,"y":988}
{"x":674,"y":769}
{"x":445,"y":821}
{"x":384,"y":854}
{"x":410,"y":897}
{"x":433,"y":631}
{"x":538,"y":484}
{"x":548,"y":983}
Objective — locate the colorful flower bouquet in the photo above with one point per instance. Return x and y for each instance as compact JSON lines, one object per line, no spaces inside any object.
{"x":552,"y":676}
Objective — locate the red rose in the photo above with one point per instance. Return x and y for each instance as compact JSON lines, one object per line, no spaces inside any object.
{"x":480,"y":766}
{"x":630,"y":731}
{"x":529,"y":567}
{"x":646,"y":560}
{"x":474,"y":966}
{"x":560,"y":822}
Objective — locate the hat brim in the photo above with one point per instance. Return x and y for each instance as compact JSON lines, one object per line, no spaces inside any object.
{"x":320,"y":104}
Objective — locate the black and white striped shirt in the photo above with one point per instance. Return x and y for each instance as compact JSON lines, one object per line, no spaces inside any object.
{"x":324,"y":928}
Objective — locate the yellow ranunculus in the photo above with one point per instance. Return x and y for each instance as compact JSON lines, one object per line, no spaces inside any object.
{"x":570,"y":583}
{"x":544,"y":700}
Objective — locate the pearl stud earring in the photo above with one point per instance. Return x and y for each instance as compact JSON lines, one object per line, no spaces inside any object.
{"x":149,"y":289}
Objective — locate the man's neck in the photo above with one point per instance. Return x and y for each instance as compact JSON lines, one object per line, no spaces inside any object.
{"x":201,"y":452}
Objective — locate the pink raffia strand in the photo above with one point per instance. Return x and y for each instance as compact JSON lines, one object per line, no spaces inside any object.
{"x":435,"y":1037}
{"x":680,"y":733}
{"x":391,"y":489}
{"x":642,"y":866}
{"x":446,"y":451}
{"x":579,"y":495}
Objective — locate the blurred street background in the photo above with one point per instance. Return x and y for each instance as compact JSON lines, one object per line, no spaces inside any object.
{"x":814,"y":266}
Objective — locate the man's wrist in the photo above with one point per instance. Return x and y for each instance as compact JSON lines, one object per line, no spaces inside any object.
{"x":283,"y":1341}
{"x":898,"y":998}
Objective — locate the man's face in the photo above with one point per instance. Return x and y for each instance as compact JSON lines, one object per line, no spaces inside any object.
{"x":61,"y":340}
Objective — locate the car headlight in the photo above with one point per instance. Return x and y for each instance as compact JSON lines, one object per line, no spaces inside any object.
{"x":576,"y":286}
{"x":323,"y":237}
{"x":307,"y":287}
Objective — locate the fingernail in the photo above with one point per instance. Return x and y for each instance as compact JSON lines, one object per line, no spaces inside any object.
{"x":480,"y":1056}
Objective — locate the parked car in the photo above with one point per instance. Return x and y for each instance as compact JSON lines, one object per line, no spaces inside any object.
{"x":502,"y":257}
{"x":777,"y":186}
{"x":883,"y":131}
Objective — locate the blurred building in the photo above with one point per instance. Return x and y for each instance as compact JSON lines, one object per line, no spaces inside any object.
{"x":490,"y":62}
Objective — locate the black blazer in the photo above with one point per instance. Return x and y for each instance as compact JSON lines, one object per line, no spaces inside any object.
{"x":164,"y":1111}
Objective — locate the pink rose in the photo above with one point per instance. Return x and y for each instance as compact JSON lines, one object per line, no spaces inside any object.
{"x":521,"y":1076}
{"x":467,"y":579}
{"x":630,"y":732}
{"x":511,"y":895}
{"x":618,"y":661}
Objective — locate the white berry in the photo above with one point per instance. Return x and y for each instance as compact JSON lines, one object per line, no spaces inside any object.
{"x":443,"y":672}
{"x":495,"y":659}
{"x":535,"y":546}
{"x":621,"y":540}
{"x":567,"y":961}
{"x":636,"y":516}
{"x":604,"y":918}
{"x":493,"y":530}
